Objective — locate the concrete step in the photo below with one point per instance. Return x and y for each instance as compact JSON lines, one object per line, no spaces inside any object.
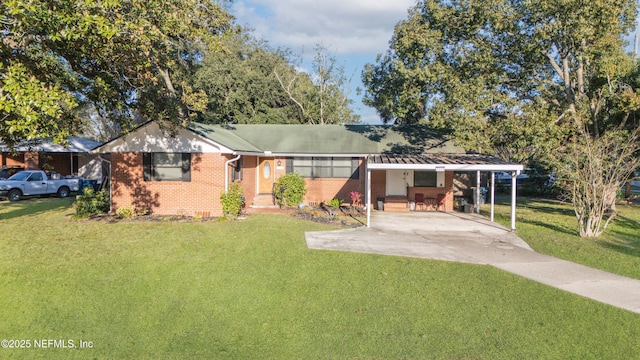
{"x":263,"y":201}
{"x":396,"y":203}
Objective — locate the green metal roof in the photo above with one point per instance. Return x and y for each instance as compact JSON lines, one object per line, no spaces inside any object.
{"x":328,"y":139}
{"x":224,"y":135}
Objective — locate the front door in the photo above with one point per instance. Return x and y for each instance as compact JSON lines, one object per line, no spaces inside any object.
{"x":396,"y":183}
{"x":266,"y":172}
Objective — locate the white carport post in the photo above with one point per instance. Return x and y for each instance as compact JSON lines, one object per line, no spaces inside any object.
{"x":368,"y":195}
{"x":478,"y":193}
{"x":514,"y":174}
{"x":493,"y":193}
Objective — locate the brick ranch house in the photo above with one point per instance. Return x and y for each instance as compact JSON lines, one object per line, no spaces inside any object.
{"x":184,"y":171}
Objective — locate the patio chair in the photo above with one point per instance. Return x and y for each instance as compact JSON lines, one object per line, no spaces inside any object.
{"x":420,"y":201}
{"x":441,"y":200}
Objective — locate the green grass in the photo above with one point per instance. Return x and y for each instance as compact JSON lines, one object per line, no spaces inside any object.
{"x":251,"y":289}
{"x":550,"y":227}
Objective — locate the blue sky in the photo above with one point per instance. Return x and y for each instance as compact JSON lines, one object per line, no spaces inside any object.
{"x":354,"y":31}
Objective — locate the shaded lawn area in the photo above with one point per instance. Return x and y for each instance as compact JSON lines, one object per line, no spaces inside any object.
{"x":550,"y":227}
{"x":251,"y":289}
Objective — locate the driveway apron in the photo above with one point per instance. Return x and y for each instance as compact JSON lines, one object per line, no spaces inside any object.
{"x":473,"y":239}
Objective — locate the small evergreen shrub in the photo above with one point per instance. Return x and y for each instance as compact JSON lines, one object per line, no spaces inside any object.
{"x":335,"y":203}
{"x":126,"y":212}
{"x":290,"y":189}
{"x":92,"y":203}
{"x":232,"y":201}
{"x":130,"y":212}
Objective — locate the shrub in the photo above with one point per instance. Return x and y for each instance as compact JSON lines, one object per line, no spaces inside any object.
{"x":92,"y":203}
{"x":290,"y":189}
{"x":335,"y":203}
{"x":232,"y":201}
{"x":129,"y":212}
{"x":331,"y":207}
{"x":126,"y":212}
{"x":356,"y":198}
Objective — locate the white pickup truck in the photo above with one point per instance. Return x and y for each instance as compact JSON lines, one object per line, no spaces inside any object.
{"x":37,"y":183}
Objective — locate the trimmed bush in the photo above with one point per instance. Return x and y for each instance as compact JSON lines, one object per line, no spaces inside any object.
{"x":232,"y":201}
{"x":92,"y":203}
{"x":290,"y":189}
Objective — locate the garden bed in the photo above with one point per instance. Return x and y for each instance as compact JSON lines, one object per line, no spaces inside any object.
{"x":344,"y":216}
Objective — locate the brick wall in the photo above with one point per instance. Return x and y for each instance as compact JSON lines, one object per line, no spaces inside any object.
{"x":430,"y":192}
{"x":12,"y":160}
{"x":31,"y":161}
{"x":248,"y":182}
{"x":378,"y":186}
{"x":199,"y":196}
{"x":325,"y":189}
{"x":58,"y":162}
{"x":379,"y":183}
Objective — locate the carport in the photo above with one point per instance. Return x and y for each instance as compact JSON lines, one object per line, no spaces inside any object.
{"x":441,"y":163}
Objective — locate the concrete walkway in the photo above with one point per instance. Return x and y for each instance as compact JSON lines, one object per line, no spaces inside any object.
{"x":473,"y":239}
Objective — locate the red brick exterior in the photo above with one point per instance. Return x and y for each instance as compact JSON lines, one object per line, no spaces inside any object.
{"x":430,"y":192}
{"x":12,"y":160}
{"x":248,"y":182}
{"x":58,"y":162}
{"x":31,"y":161}
{"x":378,"y":186}
{"x":200,"y":196}
{"x":379,"y":183}
{"x":325,"y":189}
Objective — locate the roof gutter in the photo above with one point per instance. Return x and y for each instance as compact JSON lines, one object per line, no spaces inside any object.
{"x":455,"y":167}
{"x":226,"y":172}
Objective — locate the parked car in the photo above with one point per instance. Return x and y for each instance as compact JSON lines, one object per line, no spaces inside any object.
{"x":504,"y":178}
{"x":528,"y":175}
{"x":37,"y":183}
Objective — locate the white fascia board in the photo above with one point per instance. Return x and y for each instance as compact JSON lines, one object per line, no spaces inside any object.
{"x":315,"y":155}
{"x":449,"y":167}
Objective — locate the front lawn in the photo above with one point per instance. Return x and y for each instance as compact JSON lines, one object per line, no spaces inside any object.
{"x":251,"y":289}
{"x":550,"y":227}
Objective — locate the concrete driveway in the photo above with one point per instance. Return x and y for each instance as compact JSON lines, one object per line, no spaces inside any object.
{"x":473,"y":239}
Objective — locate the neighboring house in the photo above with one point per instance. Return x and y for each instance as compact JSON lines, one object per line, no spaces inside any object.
{"x":186,"y":172}
{"x":72,"y":159}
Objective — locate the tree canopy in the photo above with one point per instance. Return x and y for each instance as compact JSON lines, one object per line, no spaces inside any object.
{"x":519,"y":78}
{"x":120,"y":57}
{"x":465,"y":65}
{"x":250,"y":82}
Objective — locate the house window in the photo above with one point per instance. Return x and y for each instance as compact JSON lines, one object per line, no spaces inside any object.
{"x":167,"y":166}
{"x":425,"y":179}
{"x":236,"y":174}
{"x":325,"y":167}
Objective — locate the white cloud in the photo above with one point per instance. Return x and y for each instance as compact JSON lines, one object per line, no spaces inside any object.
{"x":347,"y":26}
{"x":354,"y":31}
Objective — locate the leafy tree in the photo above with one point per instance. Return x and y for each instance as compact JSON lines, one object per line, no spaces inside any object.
{"x":121,"y":57}
{"x":240,"y":85}
{"x":245,"y":84}
{"x":520,"y":78}
{"x":323,"y":96}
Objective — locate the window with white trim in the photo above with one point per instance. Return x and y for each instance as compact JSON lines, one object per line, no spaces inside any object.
{"x":425,"y":178}
{"x":325,"y":167}
{"x":167,"y":166}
